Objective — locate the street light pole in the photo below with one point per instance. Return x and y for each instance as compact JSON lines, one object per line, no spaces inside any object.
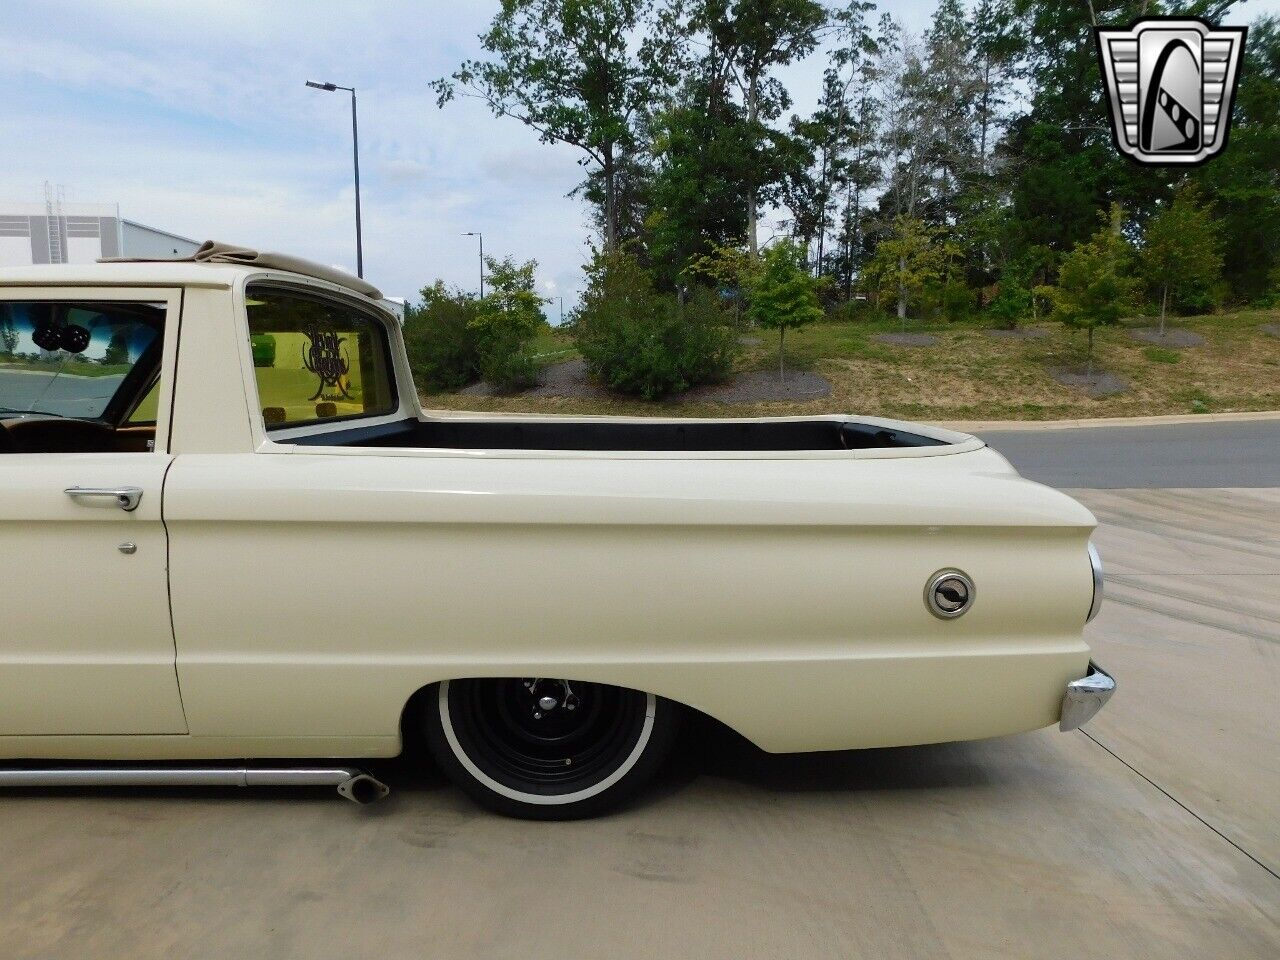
{"x":477,"y":233}
{"x":355,"y":156}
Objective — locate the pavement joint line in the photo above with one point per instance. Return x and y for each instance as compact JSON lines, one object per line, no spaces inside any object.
{"x":1181,"y":804}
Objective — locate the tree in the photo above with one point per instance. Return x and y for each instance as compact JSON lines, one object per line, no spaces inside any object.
{"x":1094,"y":287}
{"x":1181,"y":253}
{"x":505,"y":322}
{"x":572,"y":71}
{"x":909,"y":258}
{"x":117,"y":350}
{"x":1243,"y":183}
{"x":784,"y":295}
{"x":752,"y":38}
{"x":8,"y":335}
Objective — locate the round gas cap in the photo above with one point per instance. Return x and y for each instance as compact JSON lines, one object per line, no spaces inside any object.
{"x":948,"y":594}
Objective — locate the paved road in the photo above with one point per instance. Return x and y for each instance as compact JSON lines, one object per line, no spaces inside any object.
{"x":1151,"y":834}
{"x":1223,"y":454}
{"x":67,"y":394}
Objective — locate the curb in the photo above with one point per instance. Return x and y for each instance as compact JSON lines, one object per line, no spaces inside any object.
{"x":974,"y":426}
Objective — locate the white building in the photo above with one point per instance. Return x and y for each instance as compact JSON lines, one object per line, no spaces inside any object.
{"x":57,"y":232}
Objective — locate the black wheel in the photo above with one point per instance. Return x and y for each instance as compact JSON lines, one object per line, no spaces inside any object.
{"x":545,"y":749}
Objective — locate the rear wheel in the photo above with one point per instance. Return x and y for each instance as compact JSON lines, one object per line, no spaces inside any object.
{"x":547,"y":749}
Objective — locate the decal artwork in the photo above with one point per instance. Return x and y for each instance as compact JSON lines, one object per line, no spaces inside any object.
{"x":325,"y":358}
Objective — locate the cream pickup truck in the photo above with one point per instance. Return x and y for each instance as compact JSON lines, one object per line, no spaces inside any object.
{"x":232,"y":535}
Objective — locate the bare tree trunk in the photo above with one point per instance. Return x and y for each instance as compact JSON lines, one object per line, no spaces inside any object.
{"x":782,"y":335}
{"x":902,"y":293}
{"x":610,"y":201}
{"x":1088,"y":361}
{"x":1164,"y":305}
{"x":753,"y":107}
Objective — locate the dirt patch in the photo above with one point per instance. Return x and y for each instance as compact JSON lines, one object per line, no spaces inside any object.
{"x":1020,"y":333}
{"x":1097,"y":384}
{"x":1271,"y":328}
{"x":566,"y":379}
{"x":763,"y":386}
{"x":1170,"y":338}
{"x":750,"y":341}
{"x":906,"y":339}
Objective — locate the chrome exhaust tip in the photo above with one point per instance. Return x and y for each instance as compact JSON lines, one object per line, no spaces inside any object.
{"x":363,"y":789}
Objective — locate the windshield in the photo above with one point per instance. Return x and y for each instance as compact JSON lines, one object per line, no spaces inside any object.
{"x":68,"y":359}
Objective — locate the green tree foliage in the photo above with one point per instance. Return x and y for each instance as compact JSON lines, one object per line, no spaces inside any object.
{"x":639,"y":341}
{"x":1181,"y":254}
{"x":8,"y":335}
{"x":908,"y":259}
{"x":505,"y":322}
{"x":569,"y":70}
{"x":440,"y":338}
{"x":117,"y":350}
{"x":1243,"y":183}
{"x":1095,"y":287}
{"x":783,"y":294}
{"x":750,"y":39}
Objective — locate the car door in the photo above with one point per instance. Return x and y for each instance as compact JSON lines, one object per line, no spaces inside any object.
{"x":87,"y":645}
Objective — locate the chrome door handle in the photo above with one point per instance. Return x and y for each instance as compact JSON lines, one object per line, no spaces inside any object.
{"x":126,"y":498}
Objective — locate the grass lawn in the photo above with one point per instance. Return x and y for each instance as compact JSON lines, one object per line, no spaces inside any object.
{"x":968,"y":375}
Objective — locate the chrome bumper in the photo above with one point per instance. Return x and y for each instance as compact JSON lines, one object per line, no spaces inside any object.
{"x":1085,"y":697}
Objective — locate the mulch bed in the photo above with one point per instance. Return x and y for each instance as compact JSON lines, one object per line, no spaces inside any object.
{"x":569,"y":379}
{"x":1020,"y":333}
{"x":1097,"y":384}
{"x":1172,"y":337}
{"x":763,"y":386}
{"x":906,"y":339}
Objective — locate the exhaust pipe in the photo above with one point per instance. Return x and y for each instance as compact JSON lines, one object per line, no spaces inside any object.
{"x":352,"y":783}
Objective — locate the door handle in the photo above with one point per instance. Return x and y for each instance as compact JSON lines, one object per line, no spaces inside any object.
{"x":126,"y":498}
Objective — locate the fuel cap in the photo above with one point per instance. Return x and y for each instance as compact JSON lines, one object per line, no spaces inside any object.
{"x":948,"y":594}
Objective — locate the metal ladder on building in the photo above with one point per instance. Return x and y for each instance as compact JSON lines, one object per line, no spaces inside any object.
{"x":56,"y":222}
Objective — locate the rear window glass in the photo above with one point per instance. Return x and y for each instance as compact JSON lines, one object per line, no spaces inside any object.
{"x":316,"y":360}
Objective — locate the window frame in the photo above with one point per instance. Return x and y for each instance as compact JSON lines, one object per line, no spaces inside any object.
{"x":283,"y":432}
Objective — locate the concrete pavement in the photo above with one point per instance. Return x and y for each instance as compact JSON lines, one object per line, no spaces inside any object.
{"x":1150,"y":835}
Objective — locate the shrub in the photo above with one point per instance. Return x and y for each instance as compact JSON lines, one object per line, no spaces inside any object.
{"x":263,"y":346}
{"x":637,"y":341}
{"x":505,"y":323}
{"x":1011,"y":305}
{"x":441,"y":339}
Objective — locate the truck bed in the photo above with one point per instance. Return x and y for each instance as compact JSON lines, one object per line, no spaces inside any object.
{"x":615,"y":435}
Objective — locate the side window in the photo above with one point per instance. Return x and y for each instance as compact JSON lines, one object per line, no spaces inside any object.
{"x":70,"y":370}
{"x":316,"y":360}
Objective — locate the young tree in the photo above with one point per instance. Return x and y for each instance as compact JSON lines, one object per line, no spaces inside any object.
{"x":574,"y":71}
{"x":1181,"y":253}
{"x":784,"y":295}
{"x":1094,"y":286}
{"x":906,"y":260}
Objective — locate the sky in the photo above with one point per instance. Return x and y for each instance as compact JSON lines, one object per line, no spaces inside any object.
{"x":194,"y":118}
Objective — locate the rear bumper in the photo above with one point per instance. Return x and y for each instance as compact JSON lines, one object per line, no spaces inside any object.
{"x":1085,"y":697}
